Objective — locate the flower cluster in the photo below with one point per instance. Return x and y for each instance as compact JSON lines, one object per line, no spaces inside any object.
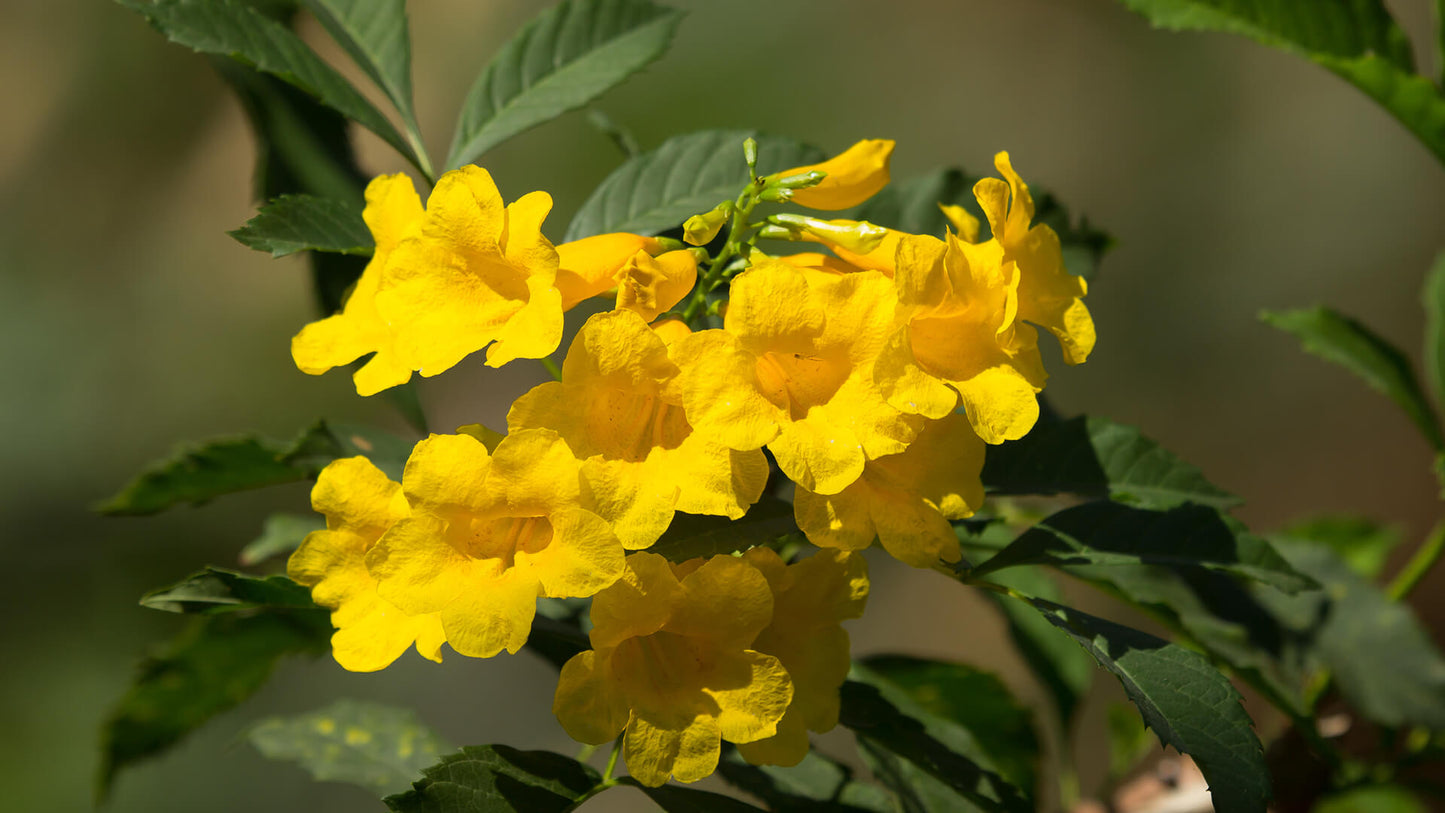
{"x":873,"y":376}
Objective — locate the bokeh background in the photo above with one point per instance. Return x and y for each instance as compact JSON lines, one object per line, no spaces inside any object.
{"x":1233,"y":177}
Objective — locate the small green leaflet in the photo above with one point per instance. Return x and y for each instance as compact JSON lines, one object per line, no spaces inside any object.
{"x":693,"y":535}
{"x":1348,"y":343}
{"x":293,"y":223}
{"x":688,"y":174}
{"x":218,"y":590}
{"x":281,"y":534}
{"x":231,"y":28}
{"x":1433,"y":298}
{"x":1187,"y":702}
{"x":380,"y":748}
{"x":566,"y":57}
{"x":497,"y":779}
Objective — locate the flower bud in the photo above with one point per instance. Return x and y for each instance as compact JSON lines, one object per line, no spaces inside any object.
{"x":858,"y":236}
{"x":699,"y":230}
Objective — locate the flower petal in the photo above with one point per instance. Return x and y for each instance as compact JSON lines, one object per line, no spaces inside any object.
{"x":493,"y":615}
{"x":639,"y":603}
{"x":583,"y":556}
{"x":589,"y":704}
{"x":854,"y":176}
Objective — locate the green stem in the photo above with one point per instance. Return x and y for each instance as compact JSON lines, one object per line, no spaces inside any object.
{"x":742,"y":211}
{"x":1419,"y":565}
{"x":612,"y":761}
{"x":552,"y":367}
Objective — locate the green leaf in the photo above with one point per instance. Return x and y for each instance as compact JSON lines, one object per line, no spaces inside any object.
{"x":1344,"y":341}
{"x":1382,"y":659}
{"x":197,"y":473}
{"x":293,"y":223}
{"x":1107,"y":533}
{"x":976,"y":700}
{"x":1373,"y":799}
{"x":556,"y":640}
{"x":374,"y":33}
{"x":1433,"y":296}
{"x":380,"y":748}
{"x":1188,"y":703}
{"x":888,"y":721}
{"x":1355,"y":39}
{"x":218,"y":590}
{"x":688,"y":174}
{"x":912,"y":206}
{"x":818,"y":784}
{"x":497,"y":779}
{"x":677,"y":799}
{"x":566,"y":57}
{"x":1363,"y":544}
{"x":231,"y":28}
{"x":693,"y":535}
{"x":219,"y":661}
{"x":1095,"y":457}
{"x":324,"y":442}
{"x":281,"y":534}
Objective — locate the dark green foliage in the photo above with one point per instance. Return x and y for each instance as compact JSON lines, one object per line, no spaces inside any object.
{"x":818,"y":784}
{"x":693,"y":535}
{"x":200,"y":472}
{"x":374,"y":33}
{"x":216,"y":590}
{"x":293,"y":223}
{"x":497,"y":779}
{"x":325,"y":442}
{"x":680,"y":799}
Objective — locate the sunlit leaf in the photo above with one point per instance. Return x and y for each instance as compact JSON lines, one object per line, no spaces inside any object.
{"x":293,"y":223}
{"x":374,"y":33}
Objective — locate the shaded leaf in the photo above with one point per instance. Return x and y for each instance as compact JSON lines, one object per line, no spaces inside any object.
{"x":1362,"y":543}
{"x":693,"y":535}
{"x":912,"y":206}
{"x":1095,"y":457}
{"x":234,"y":29}
{"x":556,"y":640}
{"x":818,"y":784}
{"x":566,"y":57}
{"x":218,"y":590}
{"x":1348,"y":343}
{"x":380,"y":748}
{"x":1107,"y":533}
{"x":678,"y":799}
{"x":324,"y":442}
{"x":218,"y":661}
{"x":886,"y":719}
{"x":293,"y":223}
{"x":1382,"y":659}
{"x":281,"y":534}
{"x":688,"y":174}
{"x":1188,"y":703}
{"x":374,"y":33}
{"x":497,"y":779}
{"x":1433,"y":297}
{"x":976,"y":700}
{"x":197,"y":473}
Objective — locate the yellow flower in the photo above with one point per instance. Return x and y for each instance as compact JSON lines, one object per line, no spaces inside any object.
{"x":393,"y":212}
{"x":476,"y":274}
{"x":905,"y":500}
{"x":616,"y":408}
{"x":648,"y":284}
{"x":793,"y":369}
{"x":853,"y":176}
{"x":490,"y":533}
{"x":961,"y":339}
{"x":360,"y":504}
{"x":1049,"y":296}
{"x":671,"y":664}
{"x":810,"y":600}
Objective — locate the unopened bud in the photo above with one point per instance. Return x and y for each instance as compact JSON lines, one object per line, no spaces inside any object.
{"x":699,"y":230}
{"x":857,"y":236}
{"x":750,"y":152}
{"x":802,"y":180}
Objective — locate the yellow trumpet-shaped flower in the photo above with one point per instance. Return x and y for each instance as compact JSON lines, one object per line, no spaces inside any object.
{"x":477,"y":275}
{"x":904,"y":500}
{"x":672,"y":666}
{"x":616,"y":408}
{"x":793,"y":369}
{"x":853,"y":176}
{"x":960,"y":338}
{"x":360,"y":504}
{"x":646,"y":281}
{"x":393,"y":212}
{"x":1049,"y":296}
{"x":489,"y":533}
{"x":810,"y":600}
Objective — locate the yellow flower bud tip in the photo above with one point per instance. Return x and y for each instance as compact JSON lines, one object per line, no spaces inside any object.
{"x":699,"y":230}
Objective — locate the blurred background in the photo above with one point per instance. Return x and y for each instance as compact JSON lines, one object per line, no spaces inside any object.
{"x":1233,"y":177}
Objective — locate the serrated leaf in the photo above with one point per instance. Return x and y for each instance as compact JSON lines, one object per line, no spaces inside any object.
{"x":912,"y":206}
{"x":687,"y":175}
{"x":219,"y":661}
{"x":1184,"y":699}
{"x":216,"y":590}
{"x":1361,"y":543}
{"x":197,"y":473}
{"x":693,"y":535}
{"x":1095,"y":457}
{"x":678,"y":799}
{"x":818,"y":784}
{"x":886,"y":718}
{"x":293,"y":223}
{"x":1355,"y":39}
{"x":497,"y":779}
{"x":380,"y":748}
{"x":324,"y":442}
{"x":566,"y":57}
{"x":1344,"y":341}
{"x":975,"y":700}
{"x":281,"y":534}
{"x":1107,"y":533}
{"x":234,"y":29}
{"x":374,"y":33}
{"x":1433,"y":298}
{"x":1382,"y":659}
